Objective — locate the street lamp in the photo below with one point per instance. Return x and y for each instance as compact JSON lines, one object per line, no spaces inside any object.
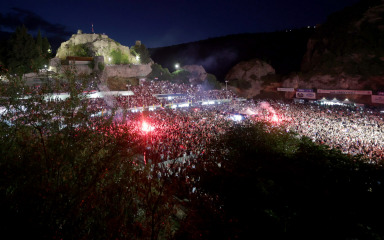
{"x":177,"y":66}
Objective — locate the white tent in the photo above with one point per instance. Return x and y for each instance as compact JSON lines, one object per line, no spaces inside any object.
{"x":347,"y":102}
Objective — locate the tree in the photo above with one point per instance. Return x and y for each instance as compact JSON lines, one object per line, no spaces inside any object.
{"x":181,"y":76}
{"x":66,"y":173}
{"x":159,"y":73}
{"x":22,"y":52}
{"x":39,"y":42}
{"x":42,"y":56}
{"x":46,"y":47}
{"x":142,"y":52}
{"x":118,"y":57}
{"x":211,"y":82}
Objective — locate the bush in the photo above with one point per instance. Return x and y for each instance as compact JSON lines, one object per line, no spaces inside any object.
{"x":101,"y":66}
{"x":159,"y":73}
{"x":181,"y":76}
{"x":211,"y":82}
{"x":91,"y":65}
{"x":142,"y":52}
{"x":80,"y":50}
{"x":119,"y":57}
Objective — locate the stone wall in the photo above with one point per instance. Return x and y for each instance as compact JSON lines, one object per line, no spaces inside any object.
{"x":78,"y":69}
{"x":127,"y":70}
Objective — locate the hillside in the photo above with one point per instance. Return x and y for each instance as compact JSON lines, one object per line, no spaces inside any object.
{"x":348,"y":45}
{"x":283,"y":50}
{"x":85,"y":45}
{"x":349,"y":42}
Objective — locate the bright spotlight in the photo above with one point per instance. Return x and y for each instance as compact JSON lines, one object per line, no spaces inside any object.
{"x":145,"y":127}
{"x":177,"y":66}
{"x":236,"y":117}
{"x":275,"y":118}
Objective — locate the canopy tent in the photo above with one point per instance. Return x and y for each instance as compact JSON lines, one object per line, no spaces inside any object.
{"x":335,"y":101}
{"x":347,"y":102}
{"x":329,"y":102}
{"x":323,"y":100}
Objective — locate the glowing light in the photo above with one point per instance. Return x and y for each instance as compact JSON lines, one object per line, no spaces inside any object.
{"x":145,"y":127}
{"x":184,"y":105}
{"x":177,"y":66}
{"x":275,"y":118}
{"x":236,"y":118}
{"x":208,"y":102}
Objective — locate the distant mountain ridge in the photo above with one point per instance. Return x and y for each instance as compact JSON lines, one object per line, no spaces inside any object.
{"x":284,"y":50}
{"x":345,"y":52}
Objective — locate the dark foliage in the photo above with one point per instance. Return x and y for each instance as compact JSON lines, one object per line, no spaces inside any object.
{"x":276,"y":186}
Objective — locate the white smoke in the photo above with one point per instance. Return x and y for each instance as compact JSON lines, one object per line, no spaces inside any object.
{"x":267,"y":106}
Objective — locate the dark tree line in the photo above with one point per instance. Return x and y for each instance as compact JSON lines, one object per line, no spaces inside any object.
{"x":22,"y":53}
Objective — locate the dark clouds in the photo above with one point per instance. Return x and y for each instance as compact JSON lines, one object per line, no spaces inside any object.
{"x":33,"y":22}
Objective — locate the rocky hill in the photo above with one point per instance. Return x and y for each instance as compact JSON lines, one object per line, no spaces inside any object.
{"x":245,"y":78}
{"x":349,"y":42}
{"x":90,"y":45}
{"x":346,"y":52}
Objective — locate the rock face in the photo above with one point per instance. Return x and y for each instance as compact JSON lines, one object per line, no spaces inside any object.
{"x":350,"y":41}
{"x":250,"y":73}
{"x":198,"y":73}
{"x":95,"y":45}
{"x":324,"y":82}
{"x":128,"y":70}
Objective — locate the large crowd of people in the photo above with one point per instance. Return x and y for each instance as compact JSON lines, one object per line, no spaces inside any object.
{"x":179,"y":132}
{"x":186,"y":131}
{"x":350,"y":129}
{"x":145,"y":94}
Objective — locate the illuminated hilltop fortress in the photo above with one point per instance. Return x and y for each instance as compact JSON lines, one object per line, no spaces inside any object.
{"x":97,"y":52}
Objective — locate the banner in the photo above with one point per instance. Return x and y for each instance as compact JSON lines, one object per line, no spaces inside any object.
{"x":357,"y":92}
{"x":304,"y":90}
{"x":306,"y":95}
{"x":285,"y":89}
{"x":377,"y":99}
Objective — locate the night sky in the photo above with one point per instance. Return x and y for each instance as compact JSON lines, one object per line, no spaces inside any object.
{"x":160,"y":23}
